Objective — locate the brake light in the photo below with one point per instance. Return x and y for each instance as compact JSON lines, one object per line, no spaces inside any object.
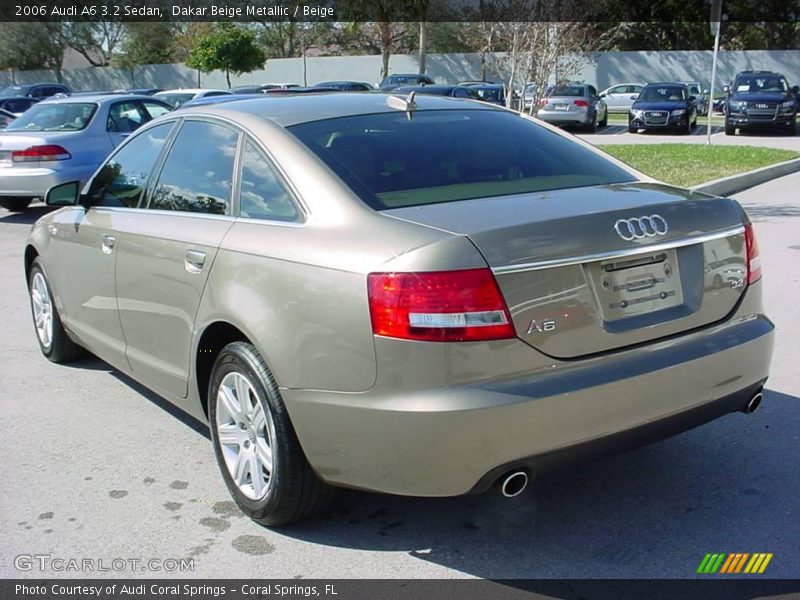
{"x":581,"y":103}
{"x":439,"y":306}
{"x":39,"y":153}
{"x":542,"y":102}
{"x":753,"y":255}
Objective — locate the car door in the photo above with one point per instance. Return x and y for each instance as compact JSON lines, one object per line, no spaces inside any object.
{"x":165,"y":252}
{"x":615,"y":98}
{"x":86,"y":245}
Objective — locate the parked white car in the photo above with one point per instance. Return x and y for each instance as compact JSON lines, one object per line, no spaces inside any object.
{"x":619,"y":98}
{"x":177,"y":97}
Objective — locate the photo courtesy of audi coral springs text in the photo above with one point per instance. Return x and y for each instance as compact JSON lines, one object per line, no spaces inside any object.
{"x":352,"y":296}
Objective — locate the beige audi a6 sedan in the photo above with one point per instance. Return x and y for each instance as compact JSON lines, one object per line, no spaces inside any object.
{"x":421,"y":296}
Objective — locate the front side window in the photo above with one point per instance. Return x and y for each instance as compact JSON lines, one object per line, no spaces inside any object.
{"x":123,"y":179}
{"x":61,"y":116}
{"x":262,"y":194}
{"x":198,"y":172}
{"x":399,"y":159}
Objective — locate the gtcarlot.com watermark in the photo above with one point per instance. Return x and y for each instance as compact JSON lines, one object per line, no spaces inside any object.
{"x":48,"y":563}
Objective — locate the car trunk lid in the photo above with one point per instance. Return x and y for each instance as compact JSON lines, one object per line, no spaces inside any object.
{"x":588,"y":270}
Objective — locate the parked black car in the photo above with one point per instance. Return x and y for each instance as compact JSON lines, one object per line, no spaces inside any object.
{"x":451,"y":91}
{"x":346,"y":86}
{"x":759,"y":99}
{"x":488,"y":92}
{"x":394,"y":81}
{"x":663,"y":106}
{"x":39,"y":91}
{"x":16,"y":104}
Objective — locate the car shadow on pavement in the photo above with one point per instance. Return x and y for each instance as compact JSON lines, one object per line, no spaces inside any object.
{"x":654,"y":512}
{"x":29,"y":216}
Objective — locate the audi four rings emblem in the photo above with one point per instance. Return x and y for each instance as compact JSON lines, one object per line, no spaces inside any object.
{"x":639,"y":228}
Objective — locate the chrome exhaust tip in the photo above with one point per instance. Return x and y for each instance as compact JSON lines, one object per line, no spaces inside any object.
{"x":753,"y":404}
{"x":513,"y":484}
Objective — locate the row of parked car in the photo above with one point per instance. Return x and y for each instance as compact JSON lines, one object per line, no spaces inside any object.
{"x":53,"y":135}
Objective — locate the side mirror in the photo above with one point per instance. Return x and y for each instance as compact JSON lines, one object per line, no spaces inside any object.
{"x":726,"y":89}
{"x":692,"y":99}
{"x":635,"y":97}
{"x":66,"y":194}
{"x":602,"y":94}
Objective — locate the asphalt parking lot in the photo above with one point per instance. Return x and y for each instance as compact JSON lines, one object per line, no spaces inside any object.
{"x":95,"y":466}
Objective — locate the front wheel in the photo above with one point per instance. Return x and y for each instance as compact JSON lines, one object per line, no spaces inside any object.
{"x":255,"y":444}
{"x":729,"y":129}
{"x":15,"y":204}
{"x":53,"y":340}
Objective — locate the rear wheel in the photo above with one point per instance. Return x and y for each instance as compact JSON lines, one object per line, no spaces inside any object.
{"x":53,"y":340}
{"x":255,"y":444}
{"x":15,"y":204}
{"x":604,"y":122}
{"x":593,"y":125}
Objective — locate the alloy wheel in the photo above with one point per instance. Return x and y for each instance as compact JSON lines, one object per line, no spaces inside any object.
{"x":42,"y":309}
{"x":246,"y":435}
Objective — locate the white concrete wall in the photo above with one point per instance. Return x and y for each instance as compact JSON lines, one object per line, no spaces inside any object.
{"x":607,"y":68}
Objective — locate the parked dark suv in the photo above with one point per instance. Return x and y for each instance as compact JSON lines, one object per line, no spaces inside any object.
{"x":760,"y":99}
{"x":39,"y":91}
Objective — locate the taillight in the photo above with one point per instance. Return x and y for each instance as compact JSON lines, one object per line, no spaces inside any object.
{"x":39,"y":153}
{"x":753,"y":256}
{"x":439,"y":306}
{"x":581,"y":103}
{"x":542,"y":102}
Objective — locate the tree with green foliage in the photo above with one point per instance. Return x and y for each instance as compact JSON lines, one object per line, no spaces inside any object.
{"x":25,"y":46}
{"x":228,"y":47}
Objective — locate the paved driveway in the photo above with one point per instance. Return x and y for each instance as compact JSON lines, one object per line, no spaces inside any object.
{"x":94,"y":466}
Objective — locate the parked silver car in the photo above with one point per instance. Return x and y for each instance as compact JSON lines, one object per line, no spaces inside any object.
{"x":573,"y":104}
{"x":620,"y":97}
{"x":351,"y":295}
{"x":700,"y":96}
{"x":65,"y":139}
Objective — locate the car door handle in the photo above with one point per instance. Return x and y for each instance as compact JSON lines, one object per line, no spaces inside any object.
{"x":108,"y":244}
{"x":194,"y":261}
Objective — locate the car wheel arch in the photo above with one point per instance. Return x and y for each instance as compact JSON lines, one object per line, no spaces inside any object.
{"x":30,"y":255}
{"x":214,"y":337}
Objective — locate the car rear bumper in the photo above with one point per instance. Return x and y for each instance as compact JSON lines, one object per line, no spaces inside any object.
{"x":36,"y":181}
{"x":457,"y":437}
{"x":565,"y":118}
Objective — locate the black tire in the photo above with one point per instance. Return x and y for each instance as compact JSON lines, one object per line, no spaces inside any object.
{"x":592,"y":127}
{"x":604,"y":122}
{"x":60,"y":347}
{"x":688,"y":129}
{"x":791,"y":129}
{"x":15,"y":203}
{"x":729,"y":129}
{"x":632,"y":129}
{"x":293,"y":490}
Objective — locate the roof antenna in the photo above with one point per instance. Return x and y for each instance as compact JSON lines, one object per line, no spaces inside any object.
{"x":406,"y":104}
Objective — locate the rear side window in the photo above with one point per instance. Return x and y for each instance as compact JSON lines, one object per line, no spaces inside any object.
{"x":394,"y":160}
{"x":126,"y":117}
{"x":262,"y":194}
{"x":198,"y":172}
{"x":61,"y":116}
{"x":123,"y":179}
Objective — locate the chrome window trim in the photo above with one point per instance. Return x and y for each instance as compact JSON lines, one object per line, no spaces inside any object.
{"x":578,"y":260}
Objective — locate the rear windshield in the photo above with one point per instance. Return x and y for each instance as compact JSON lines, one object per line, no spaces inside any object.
{"x":394,"y":160}
{"x":64,"y":116}
{"x":575,"y":91}
{"x":657,"y":93}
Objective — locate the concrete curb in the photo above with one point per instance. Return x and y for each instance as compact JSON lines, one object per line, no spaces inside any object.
{"x":736,"y":183}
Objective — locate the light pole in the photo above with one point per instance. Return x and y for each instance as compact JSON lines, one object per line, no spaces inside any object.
{"x":716,"y":18}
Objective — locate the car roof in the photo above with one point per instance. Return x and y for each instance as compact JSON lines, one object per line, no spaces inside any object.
{"x":667,"y":83}
{"x":96,"y":98}
{"x":435,"y":88}
{"x":190,"y":90}
{"x":287,"y":110}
